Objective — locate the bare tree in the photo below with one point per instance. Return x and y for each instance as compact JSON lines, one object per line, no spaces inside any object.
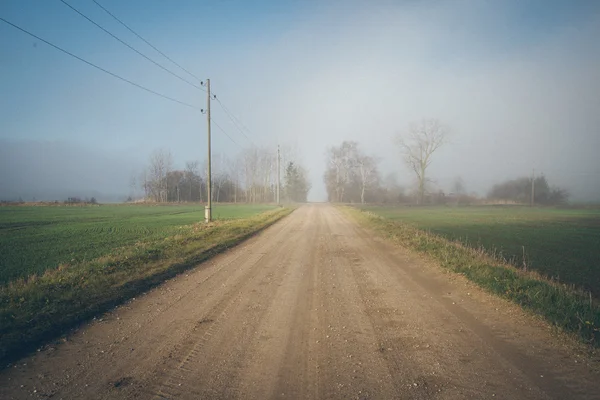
{"x":334,"y":177}
{"x":342,"y":161}
{"x":351,"y":174}
{"x":175,"y":181}
{"x":266,"y":164}
{"x":160,"y":165}
{"x":235,"y":169}
{"x":250,"y":176}
{"x":259,"y":168}
{"x":417,"y":147}
{"x":144,"y":183}
{"x":458,"y":186}
{"x":349,"y":151}
{"x":190,"y":175}
{"x":367,"y":172}
{"x":220,"y":175}
{"x":249,"y":159}
{"x":168,"y":168}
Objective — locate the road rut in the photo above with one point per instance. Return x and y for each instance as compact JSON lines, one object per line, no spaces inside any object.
{"x":313,"y":307}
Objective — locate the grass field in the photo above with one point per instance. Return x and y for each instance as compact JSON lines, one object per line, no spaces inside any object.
{"x":34,"y":239}
{"x":559,"y":243}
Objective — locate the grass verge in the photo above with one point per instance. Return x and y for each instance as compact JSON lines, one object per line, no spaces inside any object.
{"x":34,"y":310}
{"x":566,"y":307}
{"x":557,"y":243}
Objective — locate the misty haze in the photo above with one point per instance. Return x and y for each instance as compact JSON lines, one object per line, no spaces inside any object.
{"x":300,"y":199}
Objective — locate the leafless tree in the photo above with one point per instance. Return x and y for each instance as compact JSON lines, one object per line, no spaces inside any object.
{"x":260,"y":174}
{"x":220,"y":174}
{"x":145,"y":183}
{"x":250,"y":161}
{"x":458,"y":186}
{"x":417,"y":147}
{"x":190,"y":175}
{"x":334,"y":176}
{"x":161,"y":163}
{"x":351,"y":174}
{"x":349,"y":153}
{"x":367,"y":172}
{"x":235,"y":168}
{"x":249,"y":176}
{"x":341,"y":162}
{"x":175,"y":181}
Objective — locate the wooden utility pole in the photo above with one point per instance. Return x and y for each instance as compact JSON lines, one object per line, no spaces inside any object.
{"x":532,"y":187}
{"x":278,"y":173}
{"x":208,"y":209}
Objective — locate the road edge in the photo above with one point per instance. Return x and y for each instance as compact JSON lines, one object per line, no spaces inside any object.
{"x":567,"y":309}
{"x":26,"y":323}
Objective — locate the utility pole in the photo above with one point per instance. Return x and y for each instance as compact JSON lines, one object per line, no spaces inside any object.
{"x":532,"y":187}
{"x":208,"y":208}
{"x":278,"y":173}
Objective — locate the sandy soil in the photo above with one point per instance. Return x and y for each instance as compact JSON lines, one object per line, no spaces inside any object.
{"x":313,"y":307}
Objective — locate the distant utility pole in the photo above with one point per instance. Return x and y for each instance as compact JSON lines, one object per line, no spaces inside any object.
{"x":208,"y":209}
{"x":532,"y":187}
{"x":278,"y":173}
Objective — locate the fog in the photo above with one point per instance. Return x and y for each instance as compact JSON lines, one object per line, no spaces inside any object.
{"x":519,"y":88}
{"x":56,"y":170}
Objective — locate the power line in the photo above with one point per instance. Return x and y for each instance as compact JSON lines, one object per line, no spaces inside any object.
{"x":145,"y":41}
{"x":131,"y":47}
{"x":226,"y":134}
{"x":236,"y":122}
{"x":232,"y":118}
{"x":97,"y":67}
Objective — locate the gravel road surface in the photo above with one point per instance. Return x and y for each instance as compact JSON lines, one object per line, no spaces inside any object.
{"x":314,"y":307}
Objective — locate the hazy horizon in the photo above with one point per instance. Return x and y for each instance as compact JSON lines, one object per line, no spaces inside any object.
{"x":517,"y":83}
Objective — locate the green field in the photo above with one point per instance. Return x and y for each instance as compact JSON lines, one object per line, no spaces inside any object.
{"x":34,"y":239}
{"x":559,"y":243}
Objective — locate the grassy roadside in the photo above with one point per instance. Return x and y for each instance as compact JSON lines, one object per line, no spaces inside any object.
{"x":566,"y":307}
{"x":36,"y":309}
{"x":557,"y":243}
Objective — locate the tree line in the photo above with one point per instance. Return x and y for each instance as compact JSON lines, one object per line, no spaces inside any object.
{"x":248,"y":177}
{"x":520,"y":190}
{"x":352,"y":176}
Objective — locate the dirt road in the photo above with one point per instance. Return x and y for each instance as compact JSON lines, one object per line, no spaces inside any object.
{"x":313,"y":307}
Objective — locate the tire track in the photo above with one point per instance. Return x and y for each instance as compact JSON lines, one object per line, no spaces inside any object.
{"x":473,"y":343}
{"x":204,"y":355}
{"x":278,"y":350}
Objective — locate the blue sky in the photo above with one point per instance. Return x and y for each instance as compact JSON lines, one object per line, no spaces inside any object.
{"x":312,"y":73}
